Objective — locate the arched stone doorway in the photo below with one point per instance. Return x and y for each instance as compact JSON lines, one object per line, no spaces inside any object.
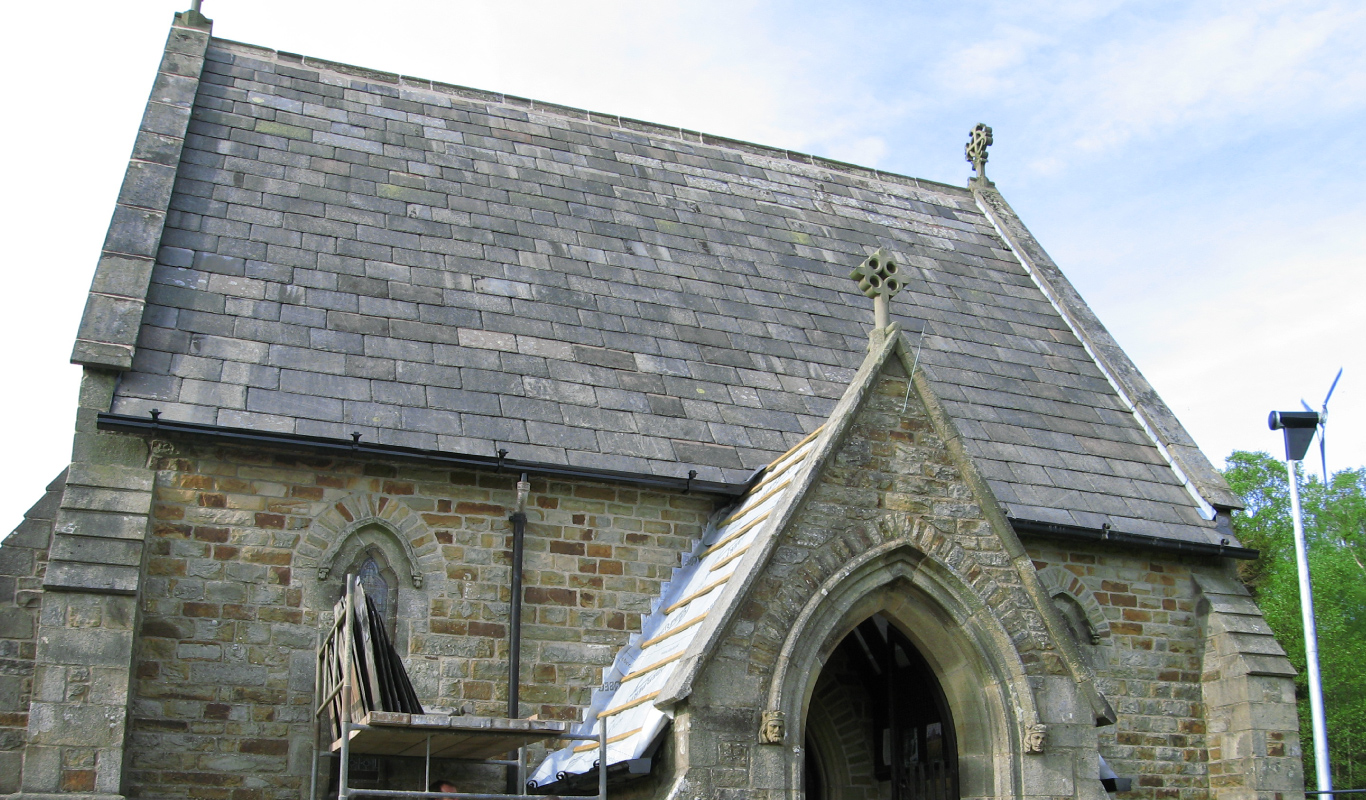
{"x":961,"y":639}
{"x":879,"y":726}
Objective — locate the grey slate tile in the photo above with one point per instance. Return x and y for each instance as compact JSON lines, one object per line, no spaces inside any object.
{"x":599,"y":419}
{"x":462,"y":400}
{"x":571,"y":439}
{"x":314,"y":383}
{"x":277,"y":423}
{"x":286,"y":404}
{"x":497,"y":428}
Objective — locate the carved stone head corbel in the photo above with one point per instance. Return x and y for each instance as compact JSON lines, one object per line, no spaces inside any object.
{"x":772,"y":727}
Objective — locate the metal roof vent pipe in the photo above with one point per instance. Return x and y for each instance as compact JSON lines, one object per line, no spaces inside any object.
{"x":1299,"y":427}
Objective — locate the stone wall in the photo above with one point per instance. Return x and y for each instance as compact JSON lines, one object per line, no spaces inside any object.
{"x":1203,"y":692}
{"x":1249,"y":695}
{"x":232,"y":600}
{"x":1147,"y":662}
{"x":893,"y":487}
{"x":23,"y":560}
{"x":247,"y":547}
{"x":1161,"y":642}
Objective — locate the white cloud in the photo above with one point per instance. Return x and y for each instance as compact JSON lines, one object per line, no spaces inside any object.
{"x":1252,"y":61}
{"x":994,"y":66}
{"x":1146,"y":71}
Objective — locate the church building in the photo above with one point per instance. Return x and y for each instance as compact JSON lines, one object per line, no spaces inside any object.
{"x":767,"y":476}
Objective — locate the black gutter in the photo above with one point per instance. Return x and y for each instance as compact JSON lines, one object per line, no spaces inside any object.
{"x":149,"y":425}
{"x":1054,"y":530}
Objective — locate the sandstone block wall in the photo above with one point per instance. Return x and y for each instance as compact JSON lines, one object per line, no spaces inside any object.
{"x":1249,"y":694}
{"x":23,"y":561}
{"x":232,"y":600}
{"x":1147,"y":663}
{"x":233,"y":592}
{"x":1203,"y":692}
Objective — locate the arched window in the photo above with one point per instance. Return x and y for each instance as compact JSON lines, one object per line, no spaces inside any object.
{"x":1075,"y":616}
{"x":380,"y":583}
{"x":376,"y":587}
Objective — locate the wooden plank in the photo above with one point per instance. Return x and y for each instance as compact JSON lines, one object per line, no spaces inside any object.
{"x":397,"y":734}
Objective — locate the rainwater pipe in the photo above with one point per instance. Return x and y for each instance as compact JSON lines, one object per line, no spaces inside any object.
{"x":518,"y":520}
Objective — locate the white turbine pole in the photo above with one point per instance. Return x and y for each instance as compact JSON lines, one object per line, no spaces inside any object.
{"x":1311,"y":645}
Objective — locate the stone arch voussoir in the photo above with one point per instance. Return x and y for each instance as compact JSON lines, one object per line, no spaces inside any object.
{"x":1056,"y":580}
{"x":332,"y":531}
{"x":944,"y":615}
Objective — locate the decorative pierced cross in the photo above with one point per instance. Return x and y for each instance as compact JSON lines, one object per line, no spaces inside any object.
{"x":978,"y":142}
{"x":877,"y":278}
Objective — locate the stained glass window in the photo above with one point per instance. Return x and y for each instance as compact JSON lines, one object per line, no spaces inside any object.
{"x":375,"y":586}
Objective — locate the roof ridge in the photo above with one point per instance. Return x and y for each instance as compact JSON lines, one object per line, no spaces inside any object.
{"x":599,"y":118}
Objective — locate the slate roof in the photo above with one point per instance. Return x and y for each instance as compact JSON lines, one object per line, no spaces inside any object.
{"x":438,"y":267}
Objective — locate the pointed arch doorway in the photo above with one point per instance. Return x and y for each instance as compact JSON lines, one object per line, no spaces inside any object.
{"x":879,"y":725}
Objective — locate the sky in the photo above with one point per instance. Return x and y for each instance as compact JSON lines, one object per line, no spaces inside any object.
{"x":1193,"y":167}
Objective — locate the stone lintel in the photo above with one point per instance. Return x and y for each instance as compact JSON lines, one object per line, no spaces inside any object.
{"x":97,"y":537}
{"x":102,"y":354}
{"x":98,"y":550}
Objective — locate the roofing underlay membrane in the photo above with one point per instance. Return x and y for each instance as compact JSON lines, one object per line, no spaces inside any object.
{"x":624,"y":703}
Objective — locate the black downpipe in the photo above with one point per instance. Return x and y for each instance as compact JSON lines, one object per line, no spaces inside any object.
{"x":518,"y":520}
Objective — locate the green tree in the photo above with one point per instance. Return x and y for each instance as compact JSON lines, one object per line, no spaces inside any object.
{"x":1335,"y":530}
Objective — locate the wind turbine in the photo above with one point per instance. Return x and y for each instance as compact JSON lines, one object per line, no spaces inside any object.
{"x":1323,"y":426}
{"x":1299,"y":427}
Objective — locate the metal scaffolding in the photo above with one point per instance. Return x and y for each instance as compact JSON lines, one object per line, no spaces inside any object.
{"x":356,"y":678}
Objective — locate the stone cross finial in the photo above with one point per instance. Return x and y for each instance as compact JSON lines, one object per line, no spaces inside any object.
{"x":877,"y":278}
{"x":978,"y":142}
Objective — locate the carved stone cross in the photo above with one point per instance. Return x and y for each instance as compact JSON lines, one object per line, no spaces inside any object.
{"x":978,"y":142}
{"x":878,"y":278}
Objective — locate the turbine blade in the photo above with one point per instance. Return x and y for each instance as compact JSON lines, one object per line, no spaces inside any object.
{"x":1323,"y":453}
{"x":1331,"y":388}
{"x":1306,"y":406}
